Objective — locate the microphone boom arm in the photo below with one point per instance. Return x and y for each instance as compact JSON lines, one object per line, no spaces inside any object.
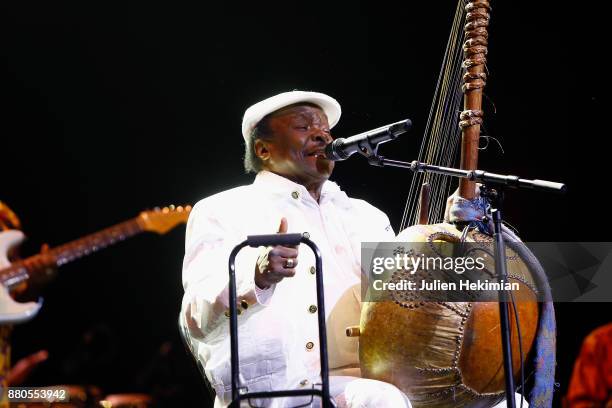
{"x":366,"y":143}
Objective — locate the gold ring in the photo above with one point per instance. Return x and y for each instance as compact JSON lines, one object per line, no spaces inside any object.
{"x":289,"y":263}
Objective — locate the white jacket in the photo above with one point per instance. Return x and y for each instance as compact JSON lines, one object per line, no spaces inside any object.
{"x":278,"y":335}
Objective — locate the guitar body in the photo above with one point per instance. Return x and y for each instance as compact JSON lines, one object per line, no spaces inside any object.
{"x":12,"y":312}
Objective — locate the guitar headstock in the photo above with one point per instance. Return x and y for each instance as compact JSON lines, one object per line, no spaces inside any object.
{"x":162,"y":220}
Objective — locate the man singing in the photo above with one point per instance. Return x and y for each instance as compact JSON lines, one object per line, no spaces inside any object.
{"x":285,"y":137}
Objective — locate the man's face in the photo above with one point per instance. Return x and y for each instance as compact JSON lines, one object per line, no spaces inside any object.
{"x":296,"y":149}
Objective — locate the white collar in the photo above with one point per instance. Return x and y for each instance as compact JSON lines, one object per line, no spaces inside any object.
{"x":279,"y":184}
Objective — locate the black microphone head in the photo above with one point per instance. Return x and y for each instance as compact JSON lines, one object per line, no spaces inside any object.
{"x":332,"y":151}
{"x":400,"y":127}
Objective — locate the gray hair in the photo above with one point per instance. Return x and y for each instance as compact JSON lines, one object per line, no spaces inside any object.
{"x":252,"y":163}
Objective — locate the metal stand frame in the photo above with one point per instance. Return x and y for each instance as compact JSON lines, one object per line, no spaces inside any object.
{"x":289,"y":240}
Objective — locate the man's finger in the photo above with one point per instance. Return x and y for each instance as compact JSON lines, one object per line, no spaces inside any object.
{"x":39,"y":357}
{"x":22,"y":369}
{"x":282,"y":229}
{"x":284,"y":252}
{"x":279,"y":263}
{"x":290,"y":265}
{"x":284,"y":273}
{"x":289,"y":273}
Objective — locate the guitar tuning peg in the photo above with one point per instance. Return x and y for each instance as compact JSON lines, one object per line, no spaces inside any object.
{"x":172,"y":207}
{"x":156,"y":209}
{"x":179,"y":208}
{"x":166,"y":210}
{"x":187,"y":208}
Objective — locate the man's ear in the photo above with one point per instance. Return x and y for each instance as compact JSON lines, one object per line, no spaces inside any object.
{"x":262,"y":149}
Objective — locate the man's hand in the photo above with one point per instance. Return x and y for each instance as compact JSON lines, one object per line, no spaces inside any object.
{"x":276,"y":263}
{"x":467,"y":214}
{"x":20,"y":372}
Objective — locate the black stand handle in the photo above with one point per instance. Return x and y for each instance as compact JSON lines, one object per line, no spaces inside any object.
{"x":274,"y":239}
{"x":278,"y":239}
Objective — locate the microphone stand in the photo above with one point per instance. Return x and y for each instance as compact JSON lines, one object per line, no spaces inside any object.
{"x":494,"y":185}
{"x":493,"y":179}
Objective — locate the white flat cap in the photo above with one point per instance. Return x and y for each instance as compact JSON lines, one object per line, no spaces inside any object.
{"x":255,"y":113}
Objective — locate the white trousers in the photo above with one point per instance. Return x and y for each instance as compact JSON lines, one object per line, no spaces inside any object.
{"x":355,"y":392}
{"x":348,"y":392}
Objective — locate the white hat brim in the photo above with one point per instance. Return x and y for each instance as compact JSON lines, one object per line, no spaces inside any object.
{"x":255,"y":113}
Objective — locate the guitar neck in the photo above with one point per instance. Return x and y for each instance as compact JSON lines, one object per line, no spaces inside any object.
{"x":21,"y":270}
{"x":98,"y":240}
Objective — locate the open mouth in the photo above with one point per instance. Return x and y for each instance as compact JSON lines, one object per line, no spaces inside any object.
{"x":318,"y":154}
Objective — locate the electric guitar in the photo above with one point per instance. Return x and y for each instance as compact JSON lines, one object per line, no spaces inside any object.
{"x":159,"y":220}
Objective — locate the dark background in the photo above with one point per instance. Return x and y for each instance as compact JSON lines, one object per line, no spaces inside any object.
{"x":107,"y":111}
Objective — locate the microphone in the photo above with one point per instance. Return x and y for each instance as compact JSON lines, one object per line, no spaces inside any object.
{"x":366,"y":142}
